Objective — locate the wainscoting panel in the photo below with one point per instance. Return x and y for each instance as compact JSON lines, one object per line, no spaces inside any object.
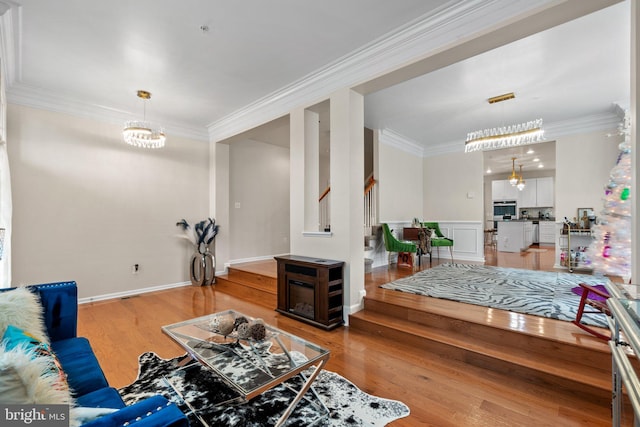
{"x":468,"y":239}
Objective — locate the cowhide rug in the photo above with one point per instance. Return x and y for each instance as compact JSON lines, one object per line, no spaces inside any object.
{"x":217,"y":404}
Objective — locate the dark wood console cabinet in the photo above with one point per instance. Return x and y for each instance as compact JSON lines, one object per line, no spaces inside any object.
{"x":311,"y":290}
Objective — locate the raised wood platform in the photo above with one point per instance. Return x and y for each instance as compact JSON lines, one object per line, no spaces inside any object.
{"x":542,"y":351}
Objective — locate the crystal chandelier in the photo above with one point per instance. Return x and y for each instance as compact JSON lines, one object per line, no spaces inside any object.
{"x":505,"y":137}
{"x":141,"y":133}
{"x":520,"y":184}
{"x":513,"y":179}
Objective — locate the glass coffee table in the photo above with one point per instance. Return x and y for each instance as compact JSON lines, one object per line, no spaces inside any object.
{"x":251,"y":359}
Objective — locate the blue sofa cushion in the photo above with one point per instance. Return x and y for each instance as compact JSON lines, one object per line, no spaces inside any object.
{"x":106,"y":397}
{"x":80,"y":364}
{"x":154,"y":411}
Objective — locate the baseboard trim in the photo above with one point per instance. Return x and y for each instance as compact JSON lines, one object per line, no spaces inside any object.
{"x":132,"y":292}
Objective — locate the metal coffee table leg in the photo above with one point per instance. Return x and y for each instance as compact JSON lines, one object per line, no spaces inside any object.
{"x":305,"y":387}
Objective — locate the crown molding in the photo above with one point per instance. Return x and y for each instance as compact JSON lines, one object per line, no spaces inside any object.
{"x":591,"y":123}
{"x":444,"y":148}
{"x":394,"y":139}
{"x":456,"y":21}
{"x":42,"y":99}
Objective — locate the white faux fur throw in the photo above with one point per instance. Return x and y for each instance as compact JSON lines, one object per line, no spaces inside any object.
{"x":22,"y":309}
{"x":26,"y":378}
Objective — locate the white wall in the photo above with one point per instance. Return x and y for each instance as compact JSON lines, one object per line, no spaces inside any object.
{"x":583,"y":164}
{"x":87,"y":206}
{"x":453,"y":187}
{"x":346,"y":240}
{"x":259,"y":182}
{"x":399,"y":184}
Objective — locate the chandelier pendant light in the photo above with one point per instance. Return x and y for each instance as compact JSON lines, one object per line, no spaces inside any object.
{"x":505,"y":137}
{"x":521,"y":182}
{"x":140,"y":133}
{"x":513,"y":179}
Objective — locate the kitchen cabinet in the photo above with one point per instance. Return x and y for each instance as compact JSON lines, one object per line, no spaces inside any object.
{"x":547,"y":232}
{"x":527,"y":197}
{"x":545,"y":192}
{"x":537,"y":193}
{"x":503,"y":190}
{"x":514,"y":236}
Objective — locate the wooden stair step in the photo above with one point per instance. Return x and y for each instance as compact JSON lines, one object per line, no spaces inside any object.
{"x":494,"y":356}
{"x":265,"y":297}
{"x":253,"y":280}
{"x":595,"y":353}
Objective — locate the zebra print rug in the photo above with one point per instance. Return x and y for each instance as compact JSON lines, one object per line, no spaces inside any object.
{"x":540,"y":293}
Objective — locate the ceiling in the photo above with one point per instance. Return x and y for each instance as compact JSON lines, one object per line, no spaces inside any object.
{"x":204,"y":60}
{"x":200,"y":59}
{"x":563,"y":75}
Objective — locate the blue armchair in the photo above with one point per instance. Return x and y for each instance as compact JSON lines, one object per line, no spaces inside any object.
{"x":84,"y":374}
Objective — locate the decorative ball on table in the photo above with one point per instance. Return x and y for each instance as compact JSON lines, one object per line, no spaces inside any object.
{"x":224,"y":325}
{"x":258,"y":331}
{"x":239,"y":321}
{"x":244,"y":330}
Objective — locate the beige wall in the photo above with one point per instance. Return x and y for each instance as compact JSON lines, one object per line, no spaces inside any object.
{"x":400,"y":184}
{"x":259,"y":182}
{"x":453,"y":187}
{"x":345,"y":242}
{"x":87,"y":207}
{"x":583,"y":164}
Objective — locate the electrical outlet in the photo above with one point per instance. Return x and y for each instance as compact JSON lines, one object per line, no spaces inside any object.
{"x":135,"y":268}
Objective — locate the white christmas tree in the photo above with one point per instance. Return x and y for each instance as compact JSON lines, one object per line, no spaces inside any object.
{"x":610,"y":252}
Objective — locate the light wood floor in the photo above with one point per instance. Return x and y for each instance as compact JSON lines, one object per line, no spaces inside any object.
{"x":439,"y":392}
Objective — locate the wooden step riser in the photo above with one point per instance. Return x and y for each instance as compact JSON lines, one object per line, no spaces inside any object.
{"x":239,"y":290}
{"x":597,"y":388}
{"x":481,"y":333}
{"x":256,"y":281}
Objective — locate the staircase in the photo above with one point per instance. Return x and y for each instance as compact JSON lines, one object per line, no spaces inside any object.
{"x":574,"y":361}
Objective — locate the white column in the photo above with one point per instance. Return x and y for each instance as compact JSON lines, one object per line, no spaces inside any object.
{"x":347,"y":190}
{"x":219,"y":200}
{"x":311,"y":170}
{"x":296,"y":180}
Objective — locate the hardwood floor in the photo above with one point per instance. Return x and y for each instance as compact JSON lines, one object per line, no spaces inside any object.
{"x":440,"y":391}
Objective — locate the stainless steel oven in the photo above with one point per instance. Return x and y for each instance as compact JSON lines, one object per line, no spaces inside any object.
{"x":503,"y":209}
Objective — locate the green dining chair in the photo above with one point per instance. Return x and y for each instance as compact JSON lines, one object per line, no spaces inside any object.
{"x":392,"y":244}
{"x":438,"y":239}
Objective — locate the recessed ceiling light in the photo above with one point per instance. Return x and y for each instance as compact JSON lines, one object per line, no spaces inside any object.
{"x":530,"y":151}
{"x":536,"y":159}
{"x":489,"y":170}
{"x":540,"y":165}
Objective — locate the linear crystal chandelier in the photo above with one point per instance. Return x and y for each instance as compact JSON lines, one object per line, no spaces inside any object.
{"x":141,"y":133}
{"x":504,"y":137}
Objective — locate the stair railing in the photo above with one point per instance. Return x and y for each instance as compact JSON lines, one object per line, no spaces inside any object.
{"x":325,"y":210}
{"x":370,"y":214}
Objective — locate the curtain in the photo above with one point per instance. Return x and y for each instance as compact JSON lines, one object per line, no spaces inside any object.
{"x":6,"y":207}
{"x":5,"y":216}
